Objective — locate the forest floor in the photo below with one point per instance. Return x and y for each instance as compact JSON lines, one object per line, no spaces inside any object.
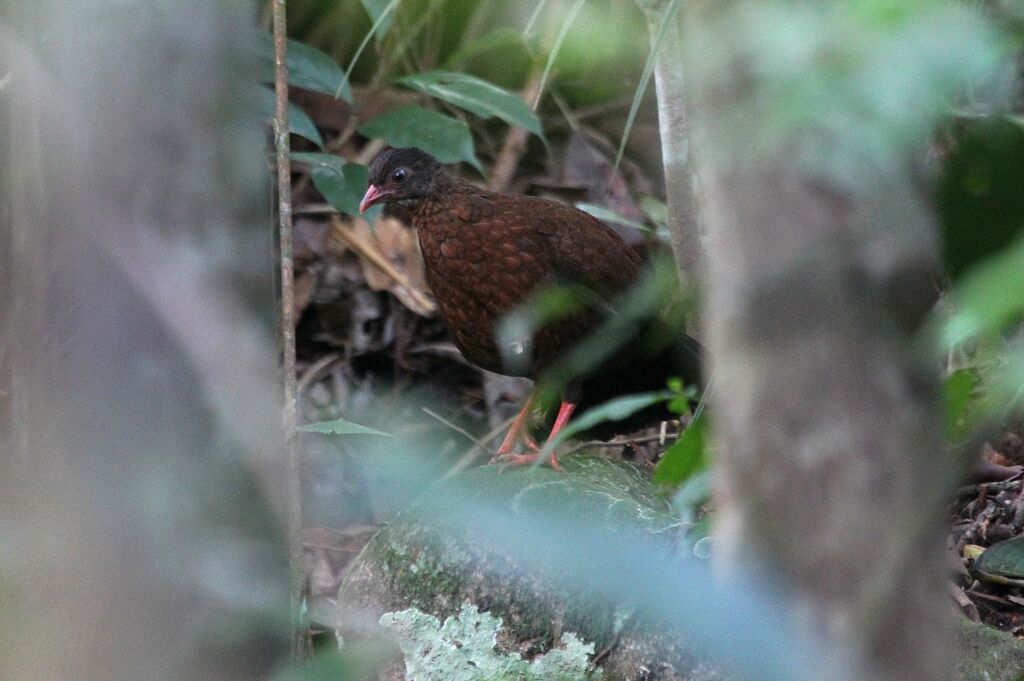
{"x":373,"y":350}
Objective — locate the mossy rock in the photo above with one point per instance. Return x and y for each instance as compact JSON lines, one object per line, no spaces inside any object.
{"x":987,"y":654}
{"x":437,"y":567}
{"x":417,"y":570}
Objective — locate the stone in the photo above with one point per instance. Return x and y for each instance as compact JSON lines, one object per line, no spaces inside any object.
{"x":422,"y":568}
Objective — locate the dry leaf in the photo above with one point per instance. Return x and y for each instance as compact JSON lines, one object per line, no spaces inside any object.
{"x":390,"y":261}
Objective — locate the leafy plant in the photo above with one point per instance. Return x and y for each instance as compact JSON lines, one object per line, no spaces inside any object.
{"x":686,"y":457}
{"x":308,"y":68}
{"x":476,"y":96}
{"x":340,"y":182}
{"x":447,"y":138}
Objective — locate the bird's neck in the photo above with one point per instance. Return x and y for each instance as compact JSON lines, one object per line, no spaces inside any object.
{"x":445,"y":190}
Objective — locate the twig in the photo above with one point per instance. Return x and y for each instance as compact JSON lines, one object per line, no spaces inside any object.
{"x":461,"y":431}
{"x":471,"y":453}
{"x":301,"y":642}
{"x":370,"y":151}
{"x":591,"y":444}
{"x":316,"y":209}
{"x":313,"y":372}
{"x":514,"y":145}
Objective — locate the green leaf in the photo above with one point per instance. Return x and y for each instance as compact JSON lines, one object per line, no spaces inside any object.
{"x":340,"y":427}
{"x":379,"y":14}
{"x":989,"y":297}
{"x":308,"y":68}
{"x":448,"y":139}
{"x":495,"y":40}
{"x":475,"y":96}
{"x":341,"y":183}
{"x":1003,"y":562}
{"x":298,"y":122}
{"x":608,"y":215}
{"x":958,"y":393}
{"x":612,"y":410}
{"x":687,"y":456}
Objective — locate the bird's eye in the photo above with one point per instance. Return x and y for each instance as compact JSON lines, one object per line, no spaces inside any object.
{"x":399,"y":175}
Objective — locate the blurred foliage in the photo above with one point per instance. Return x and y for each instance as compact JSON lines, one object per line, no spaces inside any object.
{"x":959,"y":392}
{"x":484,"y":38}
{"x":608,"y":216}
{"x":980,"y":198}
{"x":981,"y":192}
{"x":870,"y":78}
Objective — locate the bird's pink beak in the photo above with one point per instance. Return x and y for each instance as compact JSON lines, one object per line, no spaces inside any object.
{"x":373,"y":195}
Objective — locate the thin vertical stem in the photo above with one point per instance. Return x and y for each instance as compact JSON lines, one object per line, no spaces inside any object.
{"x":683,"y":217}
{"x":297,"y":577}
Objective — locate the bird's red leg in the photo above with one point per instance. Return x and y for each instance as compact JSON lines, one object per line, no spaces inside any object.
{"x":517,"y":430}
{"x":564,"y":414}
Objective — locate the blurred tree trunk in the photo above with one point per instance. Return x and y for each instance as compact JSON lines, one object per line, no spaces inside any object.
{"x":142,"y":406}
{"x":830,"y":467}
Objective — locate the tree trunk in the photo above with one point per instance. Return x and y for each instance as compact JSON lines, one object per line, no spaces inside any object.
{"x":136,"y":375}
{"x":830,"y":466}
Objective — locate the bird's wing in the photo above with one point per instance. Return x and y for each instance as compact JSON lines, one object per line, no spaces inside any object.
{"x":577,"y":247}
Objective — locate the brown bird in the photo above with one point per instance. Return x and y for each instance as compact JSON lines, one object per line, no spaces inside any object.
{"x":487,"y":253}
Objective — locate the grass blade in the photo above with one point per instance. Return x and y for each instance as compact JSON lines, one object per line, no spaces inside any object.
{"x":645,"y":78}
{"x":562,"y":32}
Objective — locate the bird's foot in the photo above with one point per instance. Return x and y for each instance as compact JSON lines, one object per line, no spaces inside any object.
{"x":509,"y":444}
{"x":506,"y":455}
{"x":518,"y":432}
{"x":527,"y":459}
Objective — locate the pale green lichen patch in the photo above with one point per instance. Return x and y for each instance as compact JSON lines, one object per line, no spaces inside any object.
{"x":464,"y":648}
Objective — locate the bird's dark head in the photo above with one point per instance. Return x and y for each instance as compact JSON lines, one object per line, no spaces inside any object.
{"x":399,"y":175}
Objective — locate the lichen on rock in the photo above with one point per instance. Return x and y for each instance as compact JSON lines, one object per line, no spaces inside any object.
{"x":464,"y":648}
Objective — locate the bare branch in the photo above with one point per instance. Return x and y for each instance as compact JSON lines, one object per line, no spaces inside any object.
{"x":297,"y":577}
